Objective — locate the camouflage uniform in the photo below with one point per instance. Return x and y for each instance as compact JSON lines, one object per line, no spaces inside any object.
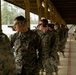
{"x":47,"y":49}
{"x":65,"y":36}
{"x":25,"y":46}
{"x":61,"y":37}
{"x":55,"y":43}
{"x":7,"y":65}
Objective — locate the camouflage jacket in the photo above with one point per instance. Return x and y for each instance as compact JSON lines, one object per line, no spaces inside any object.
{"x":25,"y":46}
{"x":7,"y":65}
{"x":47,"y":43}
{"x":55,"y":40}
{"x":60,"y":33}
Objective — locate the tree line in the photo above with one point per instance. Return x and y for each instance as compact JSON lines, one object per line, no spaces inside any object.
{"x":9,"y":12}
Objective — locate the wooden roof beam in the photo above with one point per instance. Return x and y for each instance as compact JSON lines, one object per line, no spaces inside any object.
{"x":57,"y":15}
{"x":0,"y":15}
{"x":27,"y":12}
{"x":39,"y":8}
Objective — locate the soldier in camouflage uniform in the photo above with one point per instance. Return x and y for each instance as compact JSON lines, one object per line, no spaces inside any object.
{"x":60,"y":33}
{"x":48,"y":61}
{"x":65,"y":30}
{"x":63,"y":40}
{"x":56,"y":42}
{"x":66,"y":33}
{"x":7,"y":66}
{"x":25,"y":44}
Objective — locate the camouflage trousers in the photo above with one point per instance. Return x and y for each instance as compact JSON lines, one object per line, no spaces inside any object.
{"x":61,"y":46}
{"x":55,"y":57}
{"x":29,"y":71}
{"x":49,"y":65}
{"x":7,"y":66}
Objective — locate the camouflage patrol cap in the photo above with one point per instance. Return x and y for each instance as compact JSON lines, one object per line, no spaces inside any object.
{"x":57,"y":24}
{"x":43,"y":22}
{"x":51,"y":26}
{"x":21,"y":20}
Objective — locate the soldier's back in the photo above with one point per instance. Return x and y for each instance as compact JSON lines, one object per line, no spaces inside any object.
{"x":6,"y":56}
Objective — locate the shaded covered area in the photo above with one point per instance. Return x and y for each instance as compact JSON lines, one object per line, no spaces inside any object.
{"x":42,"y":8}
{"x":59,"y":9}
{"x":21,"y":4}
{"x":67,"y":9}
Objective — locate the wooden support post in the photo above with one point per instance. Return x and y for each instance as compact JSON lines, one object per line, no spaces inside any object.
{"x":27,"y":12}
{"x":39,"y":5}
{"x":56,"y":17}
{"x":51,"y":15}
{"x":46,"y":9}
{"x":0,"y":15}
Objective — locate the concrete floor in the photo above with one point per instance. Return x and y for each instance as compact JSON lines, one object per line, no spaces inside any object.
{"x":68,"y":64}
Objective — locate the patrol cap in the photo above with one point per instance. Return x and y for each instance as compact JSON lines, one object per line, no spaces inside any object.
{"x":57,"y":24}
{"x":62,"y":26}
{"x":51,"y":25}
{"x":43,"y":22}
{"x":20,"y":20}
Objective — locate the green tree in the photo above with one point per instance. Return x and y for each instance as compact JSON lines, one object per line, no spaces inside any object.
{"x":9,"y":12}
